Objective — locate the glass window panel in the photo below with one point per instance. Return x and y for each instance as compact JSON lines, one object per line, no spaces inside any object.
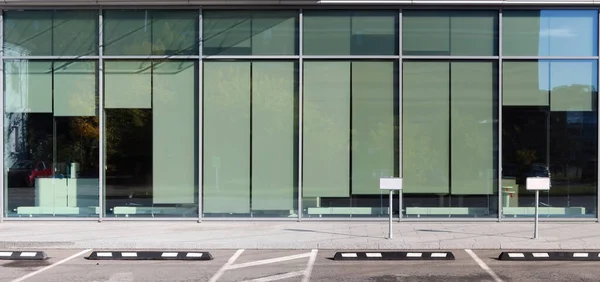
{"x":273,"y":136}
{"x":326,"y":156}
{"x":127,"y":85}
{"x":426,"y":131}
{"x":75,"y":33}
{"x":473,"y":128}
{"x":28,"y":86}
{"x":150,"y":32}
{"x":373,"y":109}
{"x":550,"y":33}
{"x":75,"y":88}
{"x":250,"y":33}
{"x":350,"y":33}
{"x":53,"y":152}
{"x":525,"y":83}
{"x":226,"y":137}
{"x":572,"y":86}
{"x":558,"y":140}
{"x":28,"y":33}
{"x":459,"y":33}
{"x":174,"y":133}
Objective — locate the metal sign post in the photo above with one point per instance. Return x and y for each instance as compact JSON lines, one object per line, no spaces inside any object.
{"x":391,"y":184}
{"x":537,"y":184}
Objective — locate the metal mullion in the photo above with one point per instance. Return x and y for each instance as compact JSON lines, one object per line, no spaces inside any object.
{"x":451,"y":57}
{"x":268,"y":57}
{"x":499,"y":81}
{"x":4,"y":175}
{"x":400,"y":73}
{"x":102,"y":157}
{"x":598,"y":132}
{"x":200,"y":118}
{"x":300,"y":108}
{"x":169,"y":57}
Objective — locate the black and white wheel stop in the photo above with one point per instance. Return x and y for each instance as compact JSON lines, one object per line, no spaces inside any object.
{"x":550,"y":256}
{"x":23,"y":255}
{"x":441,"y":255}
{"x":149,"y":255}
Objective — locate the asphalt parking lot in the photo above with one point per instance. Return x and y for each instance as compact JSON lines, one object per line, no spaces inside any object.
{"x":293,"y":265}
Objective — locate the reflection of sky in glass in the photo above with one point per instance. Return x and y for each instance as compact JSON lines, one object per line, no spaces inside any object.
{"x":556,"y":73}
{"x":568,"y":33}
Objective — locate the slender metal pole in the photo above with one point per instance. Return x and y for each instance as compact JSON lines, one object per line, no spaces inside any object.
{"x":200,"y":116}
{"x":391,"y":213}
{"x":101,"y":118}
{"x":300,"y":112}
{"x":537,"y":203}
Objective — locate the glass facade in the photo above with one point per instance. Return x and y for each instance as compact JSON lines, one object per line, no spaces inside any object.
{"x":294,"y":114}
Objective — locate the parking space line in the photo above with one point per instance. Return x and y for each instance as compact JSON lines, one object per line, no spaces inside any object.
{"x":483,"y":265}
{"x":277,"y":277}
{"x":226,"y":266}
{"x":268,"y":261}
{"x":310,"y":265}
{"x":51,"y":266}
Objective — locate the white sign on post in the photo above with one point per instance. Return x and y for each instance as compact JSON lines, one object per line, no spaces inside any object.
{"x":391,"y":184}
{"x":537,"y":184}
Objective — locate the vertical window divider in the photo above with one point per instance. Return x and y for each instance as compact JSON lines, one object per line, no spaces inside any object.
{"x":300,"y":109}
{"x":400,"y":70}
{"x":200,"y":117}
{"x":499,"y":181}
{"x":102,"y":152}
{"x":3,"y":176}
{"x":597,"y":123}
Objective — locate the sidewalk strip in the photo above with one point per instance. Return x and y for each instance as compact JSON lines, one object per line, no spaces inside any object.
{"x":223,"y":268}
{"x":310,"y":265}
{"x":50,"y":266}
{"x":483,"y":265}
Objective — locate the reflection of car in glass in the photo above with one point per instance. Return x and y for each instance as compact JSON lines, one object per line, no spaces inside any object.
{"x":24,"y":173}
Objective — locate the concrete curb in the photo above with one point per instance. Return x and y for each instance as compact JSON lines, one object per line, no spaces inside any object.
{"x":148,"y":255}
{"x":23,"y":255}
{"x":550,"y":256}
{"x":394,"y":256}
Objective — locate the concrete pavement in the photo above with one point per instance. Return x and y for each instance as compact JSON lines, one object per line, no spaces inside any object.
{"x":338,"y":235}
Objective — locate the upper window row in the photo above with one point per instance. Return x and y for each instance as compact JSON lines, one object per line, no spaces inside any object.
{"x":424,"y":33}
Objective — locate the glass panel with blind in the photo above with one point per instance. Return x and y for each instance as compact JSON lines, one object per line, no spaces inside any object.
{"x":445,"y":33}
{"x":250,"y":139}
{"x":550,"y":33}
{"x":450,"y":141}
{"x":50,"y":33}
{"x":350,"y":33}
{"x":349,"y":141}
{"x":51,"y":138}
{"x":549,"y":129}
{"x":151,"y":138}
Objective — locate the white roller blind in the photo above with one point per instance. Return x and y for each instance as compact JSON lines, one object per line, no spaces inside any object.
{"x":28,"y":86}
{"x":127,"y":85}
{"x":75,"y":88}
{"x":572,"y":85}
{"x":525,"y":83}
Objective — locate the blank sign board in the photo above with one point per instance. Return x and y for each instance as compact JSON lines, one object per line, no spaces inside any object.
{"x":538,"y":183}
{"x":390,"y":183}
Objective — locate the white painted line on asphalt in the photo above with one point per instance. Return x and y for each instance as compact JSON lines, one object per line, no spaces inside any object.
{"x":373,"y":255}
{"x":277,"y":277}
{"x":51,"y":266}
{"x":414,"y":255}
{"x":28,"y":254}
{"x":349,"y":255}
{"x":194,"y":255}
{"x":268,"y":261}
{"x":5,"y":254}
{"x":516,"y":255}
{"x":580,"y":255}
{"x":483,"y":265}
{"x":129,"y":255}
{"x":169,"y":255}
{"x":541,"y":255}
{"x":226,"y":266}
{"x":310,"y":265}
{"x":439,"y":255}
